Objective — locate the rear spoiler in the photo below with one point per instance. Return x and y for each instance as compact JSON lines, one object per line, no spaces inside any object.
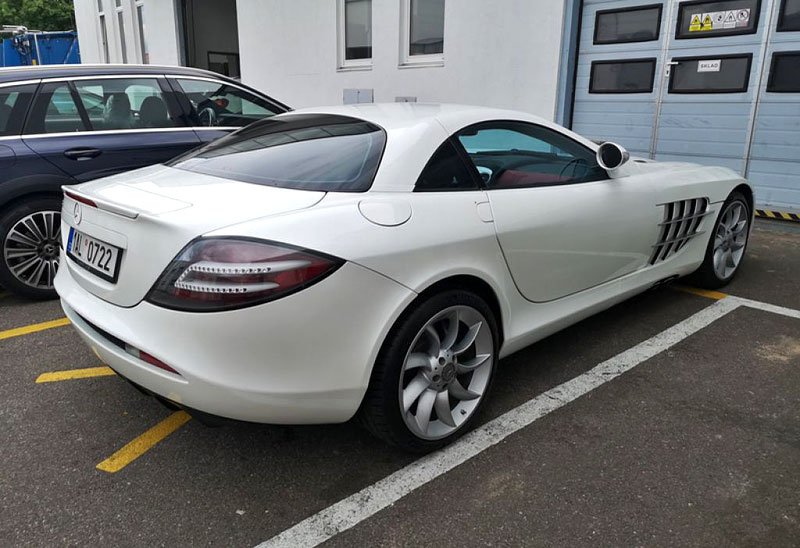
{"x":99,"y":203}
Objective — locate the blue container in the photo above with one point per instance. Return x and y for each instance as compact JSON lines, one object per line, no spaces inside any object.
{"x":41,"y":48}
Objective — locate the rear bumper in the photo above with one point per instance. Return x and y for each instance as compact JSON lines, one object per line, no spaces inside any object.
{"x":302,"y":359}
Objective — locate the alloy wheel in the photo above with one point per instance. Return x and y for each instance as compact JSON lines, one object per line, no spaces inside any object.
{"x":446,"y":372}
{"x":31,"y":249}
{"x":730,"y":239}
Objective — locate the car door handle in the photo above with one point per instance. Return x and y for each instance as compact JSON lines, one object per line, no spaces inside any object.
{"x":82,"y":153}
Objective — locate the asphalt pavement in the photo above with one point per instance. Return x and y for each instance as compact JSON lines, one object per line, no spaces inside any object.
{"x":697,"y":445}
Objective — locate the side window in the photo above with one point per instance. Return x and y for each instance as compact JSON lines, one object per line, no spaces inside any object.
{"x":724,"y":74}
{"x":125,"y":103}
{"x":516,"y":154}
{"x":219,"y":104}
{"x":445,"y":171}
{"x":622,"y":76}
{"x":789,"y":17}
{"x":784,"y":74}
{"x":55,"y":111}
{"x":14,"y":102}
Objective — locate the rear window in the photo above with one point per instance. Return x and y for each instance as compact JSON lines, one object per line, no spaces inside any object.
{"x":300,"y":151}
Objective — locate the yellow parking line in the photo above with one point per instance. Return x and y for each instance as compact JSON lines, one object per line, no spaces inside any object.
{"x":709,"y":294}
{"x":143,"y":443}
{"x":28,"y":329}
{"x":71,"y":374}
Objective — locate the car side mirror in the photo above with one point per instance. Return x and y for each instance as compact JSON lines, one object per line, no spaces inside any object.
{"x":611,"y":156}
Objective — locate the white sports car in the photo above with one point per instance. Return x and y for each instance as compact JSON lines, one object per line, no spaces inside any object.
{"x":377,"y":260}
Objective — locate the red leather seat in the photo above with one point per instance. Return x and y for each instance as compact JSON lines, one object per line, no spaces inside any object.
{"x":514,"y":179}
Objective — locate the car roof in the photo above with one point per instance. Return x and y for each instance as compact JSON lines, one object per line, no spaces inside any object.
{"x":13,"y":74}
{"x":416,"y":130}
{"x":397,"y":116}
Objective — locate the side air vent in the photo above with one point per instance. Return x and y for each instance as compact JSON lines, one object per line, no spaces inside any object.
{"x":680,"y":223}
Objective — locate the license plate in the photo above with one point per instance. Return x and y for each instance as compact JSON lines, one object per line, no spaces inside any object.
{"x":98,"y":257}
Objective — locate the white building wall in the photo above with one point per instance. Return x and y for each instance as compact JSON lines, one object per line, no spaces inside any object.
{"x":502,"y":53}
{"x":87,"y":25}
{"x":161,"y":31}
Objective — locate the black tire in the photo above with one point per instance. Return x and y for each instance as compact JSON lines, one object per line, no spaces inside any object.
{"x":8,"y":220}
{"x":706,"y":276}
{"x":380,"y":411}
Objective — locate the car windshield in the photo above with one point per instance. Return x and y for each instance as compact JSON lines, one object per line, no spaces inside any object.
{"x":301,"y":151}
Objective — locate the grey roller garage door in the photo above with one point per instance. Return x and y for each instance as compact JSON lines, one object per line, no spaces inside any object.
{"x":712,"y":82}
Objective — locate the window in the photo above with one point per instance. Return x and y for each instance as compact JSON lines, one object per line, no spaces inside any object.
{"x":226,"y":64}
{"x":121,"y":29}
{"x":639,"y":24}
{"x":784,"y":74}
{"x":721,"y":18}
{"x":623,"y":76}
{"x":423,"y":32}
{"x":14,"y":101}
{"x":519,"y":155}
{"x":723,"y":74}
{"x":355,"y":33}
{"x":789,"y":18}
{"x":101,"y":16}
{"x":55,"y":111}
{"x":219,"y":104}
{"x":124,"y":103}
{"x":445,"y":170}
{"x":143,"y":51}
{"x":304,"y":151}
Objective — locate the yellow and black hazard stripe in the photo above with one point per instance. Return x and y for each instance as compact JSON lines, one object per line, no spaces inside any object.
{"x":782,"y":215}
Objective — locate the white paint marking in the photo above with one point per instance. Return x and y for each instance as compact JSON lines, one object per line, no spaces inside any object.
{"x":356,"y":508}
{"x":775,"y":309}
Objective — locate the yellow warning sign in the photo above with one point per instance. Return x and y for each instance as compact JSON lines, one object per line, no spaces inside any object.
{"x":695,"y":25}
{"x":708,"y":24}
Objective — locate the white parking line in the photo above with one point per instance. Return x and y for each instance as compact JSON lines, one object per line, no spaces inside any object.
{"x":775,"y":309}
{"x":357,"y":507}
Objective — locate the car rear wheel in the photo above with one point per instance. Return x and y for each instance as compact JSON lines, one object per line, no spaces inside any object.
{"x":727,"y":244}
{"x":30,"y":234}
{"x":433,"y":372}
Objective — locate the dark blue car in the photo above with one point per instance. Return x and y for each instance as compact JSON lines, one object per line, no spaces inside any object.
{"x":61,"y":125}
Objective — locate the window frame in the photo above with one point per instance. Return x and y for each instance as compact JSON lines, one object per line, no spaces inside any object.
{"x":748,"y":56}
{"x":174,"y":111}
{"x":34,"y":84}
{"x":182,"y":98}
{"x":652,"y":60}
{"x":344,"y":64}
{"x":420,"y":60}
{"x":139,"y":25}
{"x":781,"y":23}
{"x":771,"y":80}
{"x":466,"y":162}
{"x":119,"y":22}
{"x":46,"y":89}
{"x":103,"y":34}
{"x":598,"y":13}
{"x":721,"y":34}
{"x":476,"y":174}
{"x":169,"y":95}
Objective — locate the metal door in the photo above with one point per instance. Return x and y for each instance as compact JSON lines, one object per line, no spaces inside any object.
{"x":774,"y":159}
{"x":625,"y":114}
{"x":710,"y":82}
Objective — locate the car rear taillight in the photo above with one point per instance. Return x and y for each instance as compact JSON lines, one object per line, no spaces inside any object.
{"x":213,"y":274}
